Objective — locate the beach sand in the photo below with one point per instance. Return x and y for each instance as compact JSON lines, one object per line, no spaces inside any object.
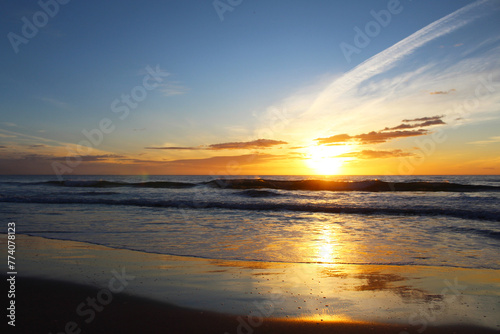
{"x":66,"y":286}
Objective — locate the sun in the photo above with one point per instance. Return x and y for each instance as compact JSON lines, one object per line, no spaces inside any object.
{"x":323,"y":159}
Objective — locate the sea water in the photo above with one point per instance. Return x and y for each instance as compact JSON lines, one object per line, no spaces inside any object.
{"x":448,"y":221}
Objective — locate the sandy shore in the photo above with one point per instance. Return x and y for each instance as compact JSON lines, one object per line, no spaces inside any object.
{"x":63,"y":286}
{"x":47,"y":306}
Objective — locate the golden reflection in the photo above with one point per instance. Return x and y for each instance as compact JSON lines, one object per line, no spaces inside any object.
{"x":324,"y":317}
{"x":328,"y":247}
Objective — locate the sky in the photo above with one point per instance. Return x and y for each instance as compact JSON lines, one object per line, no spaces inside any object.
{"x":241,"y":87}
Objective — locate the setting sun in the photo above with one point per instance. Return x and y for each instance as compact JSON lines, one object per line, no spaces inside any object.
{"x":324,"y":160}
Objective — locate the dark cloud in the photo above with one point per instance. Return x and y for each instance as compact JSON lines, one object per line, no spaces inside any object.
{"x":37,"y":146}
{"x":85,"y":158}
{"x":382,"y":136}
{"x":1,"y":146}
{"x":373,"y":137}
{"x":417,"y":125}
{"x":424,"y":119}
{"x":173,"y":148}
{"x":370,"y":154}
{"x":259,"y":143}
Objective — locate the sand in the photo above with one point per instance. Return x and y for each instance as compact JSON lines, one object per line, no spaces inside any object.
{"x":65,"y":286}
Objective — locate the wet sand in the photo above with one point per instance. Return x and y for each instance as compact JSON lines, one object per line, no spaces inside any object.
{"x":63,"y":286}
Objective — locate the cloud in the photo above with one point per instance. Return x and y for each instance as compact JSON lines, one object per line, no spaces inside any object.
{"x":440,"y":92}
{"x":422,"y":119}
{"x":428,"y":121}
{"x":259,"y":143}
{"x":388,"y":58}
{"x":9,"y":124}
{"x":382,"y":137}
{"x":491,"y":140}
{"x":390,"y":83}
{"x":173,"y":148}
{"x":2,"y":146}
{"x":37,"y":146}
{"x":2,"y":135}
{"x":373,"y":137}
{"x":376,"y":137}
{"x":55,"y":102}
{"x":370,"y":154}
{"x":337,"y":139}
{"x":172,"y":88}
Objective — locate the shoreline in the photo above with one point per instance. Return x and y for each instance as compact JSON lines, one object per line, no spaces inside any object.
{"x":49,"y":306}
{"x":287,"y":296}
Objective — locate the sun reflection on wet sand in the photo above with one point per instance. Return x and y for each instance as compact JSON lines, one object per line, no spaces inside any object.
{"x":332,"y":292}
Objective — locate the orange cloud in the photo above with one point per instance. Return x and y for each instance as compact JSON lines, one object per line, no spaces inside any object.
{"x":259,"y":143}
{"x":439,"y":92}
{"x":370,"y":154}
{"x":382,"y":136}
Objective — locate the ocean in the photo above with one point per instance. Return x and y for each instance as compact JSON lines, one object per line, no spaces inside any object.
{"x":440,"y":221}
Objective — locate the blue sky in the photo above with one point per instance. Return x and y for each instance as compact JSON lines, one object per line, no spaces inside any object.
{"x":268,"y":70}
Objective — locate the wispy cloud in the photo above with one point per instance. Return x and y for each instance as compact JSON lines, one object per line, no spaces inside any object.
{"x":173,"y":88}
{"x":491,"y":140}
{"x":174,"y":148}
{"x":388,"y":58}
{"x":254,"y":144}
{"x":55,"y":102}
{"x":370,"y":154}
{"x":259,"y":143}
{"x":386,"y":85}
{"x":440,"y":92}
{"x":8,"y":124}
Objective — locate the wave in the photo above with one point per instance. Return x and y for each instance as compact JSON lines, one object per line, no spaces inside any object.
{"x":368,"y":185}
{"x":480,"y":232}
{"x":111,"y":184}
{"x":257,"y":193}
{"x":310,"y":185}
{"x":264,"y":206}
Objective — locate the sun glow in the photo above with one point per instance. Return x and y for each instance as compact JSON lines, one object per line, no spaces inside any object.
{"x":323,"y":159}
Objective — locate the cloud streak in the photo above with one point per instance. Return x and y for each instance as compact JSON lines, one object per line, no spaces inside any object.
{"x":382,"y":136}
{"x":371,"y":154}
{"x":388,"y":58}
{"x":254,"y":144}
